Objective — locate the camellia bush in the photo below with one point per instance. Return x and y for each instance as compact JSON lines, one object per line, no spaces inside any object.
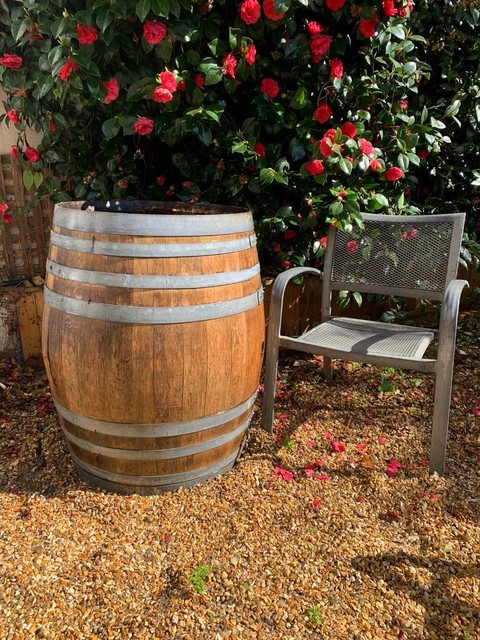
{"x":306,"y":111}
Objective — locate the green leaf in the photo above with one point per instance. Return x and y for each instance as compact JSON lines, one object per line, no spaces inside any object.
{"x":213,"y":75}
{"x":37,"y":179}
{"x":110,"y":128}
{"x":424,"y":115}
{"x":142,"y":9}
{"x":345,"y":166}
{"x":28,"y":180}
{"x":397,"y":31}
{"x":300,"y":98}
{"x":381,"y":199}
{"x":357,"y":297}
{"x":437,"y":124}
{"x":160,"y":7}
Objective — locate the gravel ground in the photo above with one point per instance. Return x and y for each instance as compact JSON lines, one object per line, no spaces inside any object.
{"x":330,"y":529}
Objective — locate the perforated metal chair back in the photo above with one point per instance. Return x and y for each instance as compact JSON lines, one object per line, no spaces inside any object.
{"x":410,"y":256}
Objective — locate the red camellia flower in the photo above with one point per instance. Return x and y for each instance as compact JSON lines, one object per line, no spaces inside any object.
{"x":13,"y":116}
{"x":314,"y":167}
{"x":269,"y":11}
{"x":330,"y":133}
{"x":367,"y":28}
{"x":314,"y":28}
{"x":7,"y":217}
{"x":52,"y":126}
{"x":162,"y":94}
{"x":270,"y":88}
{"x":66,"y":71}
{"x":388,"y":7}
{"x":250,"y":11}
{"x":365,"y":146}
{"x":260,"y":150}
{"x":353,"y":247}
{"x":323,"y":112}
{"x":14,"y":151}
{"x":3,"y":207}
{"x":290,"y":234}
{"x":349,"y":129}
{"x":375,"y":165}
{"x":423,"y":153}
{"x":143,"y":126}
{"x":154,"y":31}
{"x":250,"y":54}
{"x":168,"y":80}
{"x":319,"y":45}
{"x":113,"y":90}
{"x":161,"y":180}
{"x":11,"y":61}
{"x":229,"y":65}
{"x":325,"y":147}
{"x":86,"y":35}
{"x":403,"y":105}
{"x":32,"y":154}
{"x":394,"y":173}
{"x":200,"y":80}
{"x":335,"y":5}
{"x":336,"y":68}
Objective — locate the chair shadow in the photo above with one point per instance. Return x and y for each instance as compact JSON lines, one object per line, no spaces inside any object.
{"x":391,"y":569}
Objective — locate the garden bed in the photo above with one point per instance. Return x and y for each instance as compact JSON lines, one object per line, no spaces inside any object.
{"x":307,"y":536}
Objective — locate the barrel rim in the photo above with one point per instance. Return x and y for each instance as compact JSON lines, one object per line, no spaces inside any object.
{"x":151,"y":206}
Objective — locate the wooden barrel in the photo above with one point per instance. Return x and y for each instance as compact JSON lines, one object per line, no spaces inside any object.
{"x":153,"y":334}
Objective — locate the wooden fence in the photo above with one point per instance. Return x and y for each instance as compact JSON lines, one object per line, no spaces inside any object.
{"x":24,"y":242}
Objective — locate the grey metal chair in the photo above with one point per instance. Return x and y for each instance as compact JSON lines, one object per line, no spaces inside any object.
{"x":411,"y":256}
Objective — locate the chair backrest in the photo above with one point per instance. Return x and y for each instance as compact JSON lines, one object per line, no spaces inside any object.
{"x":408,"y":256}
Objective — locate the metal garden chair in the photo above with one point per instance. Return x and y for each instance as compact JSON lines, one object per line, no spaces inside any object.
{"x":411,"y":256}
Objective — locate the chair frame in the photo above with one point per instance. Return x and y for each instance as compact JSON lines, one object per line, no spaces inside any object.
{"x":442,"y":365}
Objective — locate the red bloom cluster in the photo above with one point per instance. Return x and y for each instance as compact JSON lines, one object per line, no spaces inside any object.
{"x":143,"y":126}
{"x":12,"y":115}
{"x":323,"y":112}
{"x":269,"y":11}
{"x":336,"y":68}
{"x":270,"y":88}
{"x":5,"y":213}
{"x":11,"y":61}
{"x":250,"y":11}
{"x":335,"y":5}
{"x":154,"y":32}
{"x":229,"y":65}
{"x":67,"y":69}
{"x":86,"y":35}
{"x":164,"y":93}
{"x":314,"y":167}
{"x":113,"y":90}
{"x":394,"y":173}
{"x":32,"y":154}
{"x":249,"y":54}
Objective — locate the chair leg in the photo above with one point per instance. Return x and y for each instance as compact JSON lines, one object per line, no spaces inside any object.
{"x":269,"y":384}
{"x":327,"y":368}
{"x":441,"y":413}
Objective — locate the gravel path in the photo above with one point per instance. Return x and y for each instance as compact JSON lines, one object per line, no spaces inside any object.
{"x":330,"y":529}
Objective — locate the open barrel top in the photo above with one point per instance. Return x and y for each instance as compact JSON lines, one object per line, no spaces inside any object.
{"x":152,"y":207}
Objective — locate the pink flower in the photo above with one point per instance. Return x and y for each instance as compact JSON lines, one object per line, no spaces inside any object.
{"x":314,"y":28}
{"x":154,"y":32}
{"x":113,"y":90}
{"x":314,"y":167}
{"x":382,"y":440}
{"x":229,"y":65}
{"x":388,"y":7}
{"x":476,"y":411}
{"x":11,"y":61}
{"x":143,"y":126}
{"x":13,"y":116}
{"x":162,"y":94}
{"x":323,"y":112}
{"x":67,"y":69}
{"x":336,"y":68}
{"x":269,"y":11}
{"x":250,"y":11}
{"x":260,"y":150}
{"x":32,"y":154}
{"x":322,"y":476}
{"x":168,"y":81}
{"x":375,"y":165}
{"x":283,"y":473}
{"x":367,"y":28}
{"x":323,"y":242}
{"x":335,"y":5}
{"x":365,"y":146}
{"x":86,"y":35}
{"x":250,"y":54}
{"x":309,"y":473}
{"x":353,"y":247}
{"x":403,"y":105}
{"x":337,"y":446}
{"x":360,"y":499}
{"x":349,"y":129}
{"x":270,"y":88}
{"x":394,"y":173}
{"x":316,"y":503}
{"x":319,"y":45}
{"x":393,"y":466}
{"x":14,"y":151}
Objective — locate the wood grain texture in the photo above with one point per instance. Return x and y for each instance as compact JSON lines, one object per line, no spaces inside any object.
{"x":153,"y":374}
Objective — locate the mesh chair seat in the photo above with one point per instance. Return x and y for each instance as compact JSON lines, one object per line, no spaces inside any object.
{"x":365,"y":337}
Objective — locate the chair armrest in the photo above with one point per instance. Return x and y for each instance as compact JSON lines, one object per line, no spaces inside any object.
{"x":278,"y":292}
{"x":449,"y":316}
